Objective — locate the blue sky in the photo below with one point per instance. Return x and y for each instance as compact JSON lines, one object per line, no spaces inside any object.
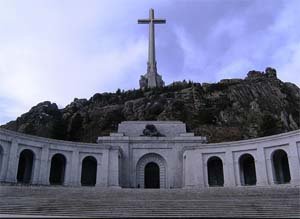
{"x":58,"y":49}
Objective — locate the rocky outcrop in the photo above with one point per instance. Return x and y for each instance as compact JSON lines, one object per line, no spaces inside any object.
{"x":44,"y":119}
{"x":232,"y":109}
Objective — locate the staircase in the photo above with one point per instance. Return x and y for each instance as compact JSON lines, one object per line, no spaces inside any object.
{"x":276,"y":201}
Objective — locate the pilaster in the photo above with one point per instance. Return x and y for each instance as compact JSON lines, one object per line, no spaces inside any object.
{"x":293,"y":158}
{"x":102,"y":170}
{"x":113,"y":168}
{"x":260,"y":167}
{"x":11,"y":175}
{"x":68,"y":169}
{"x":36,"y":169}
{"x":229,"y":177}
{"x":75,"y":178}
{"x":44,"y":162}
{"x":193,"y":172}
{"x":4,"y":164}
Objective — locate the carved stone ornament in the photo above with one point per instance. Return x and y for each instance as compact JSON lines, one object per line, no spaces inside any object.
{"x":150,"y":130}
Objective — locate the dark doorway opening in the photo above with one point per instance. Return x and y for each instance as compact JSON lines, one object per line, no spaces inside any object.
{"x":247,"y":170}
{"x":25,"y":166}
{"x":152,"y":176}
{"x":215,"y":172}
{"x":281,"y":167}
{"x":57,"y":170}
{"x":89,"y":171}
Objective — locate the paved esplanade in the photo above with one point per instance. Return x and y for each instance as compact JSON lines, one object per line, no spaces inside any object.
{"x":152,"y":78}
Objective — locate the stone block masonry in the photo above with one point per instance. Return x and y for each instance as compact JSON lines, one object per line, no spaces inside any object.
{"x":129,"y":160}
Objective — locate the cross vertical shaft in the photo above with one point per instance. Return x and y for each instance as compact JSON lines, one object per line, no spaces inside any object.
{"x":152,"y":78}
{"x":151,"y":50}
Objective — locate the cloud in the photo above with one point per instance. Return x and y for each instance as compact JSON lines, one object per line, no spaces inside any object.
{"x":38,"y":77}
{"x":59,"y":50}
{"x":9,"y":109}
{"x":290,"y":70}
{"x":193,"y":55}
{"x":257,"y":38}
{"x":287,"y":57}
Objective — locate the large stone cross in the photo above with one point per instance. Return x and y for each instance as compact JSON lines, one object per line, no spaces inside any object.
{"x":151,"y":79}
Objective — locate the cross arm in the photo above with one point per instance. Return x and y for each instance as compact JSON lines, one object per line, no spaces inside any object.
{"x":159,"y":21}
{"x":143,"y":21}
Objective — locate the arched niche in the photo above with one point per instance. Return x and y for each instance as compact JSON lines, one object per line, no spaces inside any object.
{"x":25,"y":166}
{"x":281,"y":169}
{"x":57,"y":169}
{"x":215,"y":171}
{"x":89,"y":171}
{"x":247,"y":170}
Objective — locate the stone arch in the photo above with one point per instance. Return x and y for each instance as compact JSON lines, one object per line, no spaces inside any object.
{"x":25,"y":166}
{"x":57,"y":169}
{"x":215,"y":171}
{"x":281,"y":169}
{"x":247,"y":170}
{"x":89,"y":171}
{"x":141,"y":165}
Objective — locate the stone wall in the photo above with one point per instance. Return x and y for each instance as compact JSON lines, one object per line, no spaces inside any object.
{"x":261,"y":149}
{"x":12,"y":144}
{"x":184,"y":160}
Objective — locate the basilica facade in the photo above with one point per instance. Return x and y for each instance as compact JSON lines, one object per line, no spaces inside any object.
{"x":150,"y":154}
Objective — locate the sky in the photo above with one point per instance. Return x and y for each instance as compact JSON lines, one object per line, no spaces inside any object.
{"x":58,"y":50}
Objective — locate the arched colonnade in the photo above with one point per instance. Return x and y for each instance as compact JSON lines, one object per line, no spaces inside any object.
{"x":57,"y":173}
{"x":247,"y":168}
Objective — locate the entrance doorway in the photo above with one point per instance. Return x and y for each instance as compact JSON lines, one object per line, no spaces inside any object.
{"x":89,"y":171}
{"x":25,"y":166}
{"x":152,"y":176}
{"x":215,"y":172}
{"x":247,"y":170}
{"x":57,"y":170}
{"x":281,"y":167}
{"x":151,"y":171}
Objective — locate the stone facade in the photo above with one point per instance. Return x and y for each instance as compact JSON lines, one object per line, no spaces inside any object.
{"x":128,"y":159}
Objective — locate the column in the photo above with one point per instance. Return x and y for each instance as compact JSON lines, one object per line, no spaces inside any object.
{"x":205,"y":173}
{"x":260,"y":167}
{"x":229,"y":176}
{"x":75,"y":180}
{"x":44,"y":163}
{"x":193,"y":173}
{"x":68,"y":174}
{"x":294,"y":165}
{"x":102,"y":170}
{"x":269,"y":166}
{"x":36,"y":169}
{"x":113,"y":171}
{"x":11,"y":175}
{"x":4,"y":164}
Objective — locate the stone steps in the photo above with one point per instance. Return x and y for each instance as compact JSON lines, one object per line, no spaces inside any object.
{"x":280,"y":201}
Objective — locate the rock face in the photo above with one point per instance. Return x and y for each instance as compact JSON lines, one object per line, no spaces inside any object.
{"x":232,"y":109}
